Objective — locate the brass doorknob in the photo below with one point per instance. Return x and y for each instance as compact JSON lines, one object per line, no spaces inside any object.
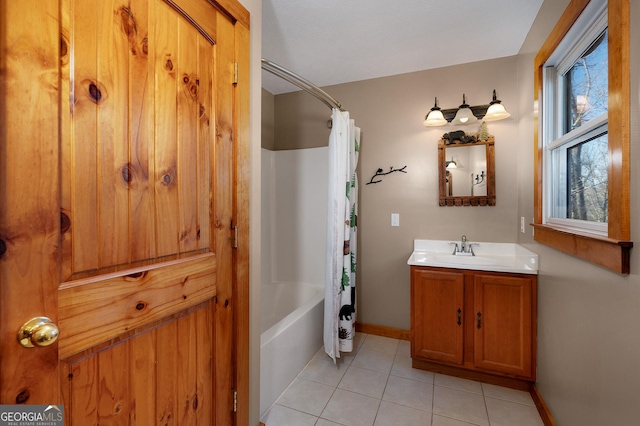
{"x":38,"y":331}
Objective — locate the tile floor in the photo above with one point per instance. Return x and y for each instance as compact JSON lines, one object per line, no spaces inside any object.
{"x":376,"y":386}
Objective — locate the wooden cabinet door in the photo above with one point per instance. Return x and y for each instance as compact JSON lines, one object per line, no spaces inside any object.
{"x":503,"y":337}
{"x":437,"y":315}
{"x":118,"y":181}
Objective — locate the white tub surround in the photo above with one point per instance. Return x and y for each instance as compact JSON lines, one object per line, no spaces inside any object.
{"x":292,"y":315}
{"x":294,"y":207}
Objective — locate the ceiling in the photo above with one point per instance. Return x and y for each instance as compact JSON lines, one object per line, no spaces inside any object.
{"x":338,"y":41}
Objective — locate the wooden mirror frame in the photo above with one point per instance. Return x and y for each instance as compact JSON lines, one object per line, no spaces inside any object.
{"x":483,"y":200}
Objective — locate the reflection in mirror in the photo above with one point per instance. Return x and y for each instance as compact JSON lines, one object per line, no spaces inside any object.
{"x":466,"y":173}
{"x":467,"y":165}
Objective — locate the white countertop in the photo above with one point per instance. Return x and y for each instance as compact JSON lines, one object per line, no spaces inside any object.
{"x":497,"y":257}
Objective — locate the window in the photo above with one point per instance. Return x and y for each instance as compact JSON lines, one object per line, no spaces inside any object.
{"x":575,"y":140}
{"x":586,"y":81}
{"x":582,"y":161}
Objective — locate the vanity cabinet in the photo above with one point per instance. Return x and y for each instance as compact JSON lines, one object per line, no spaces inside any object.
{"x":477,"y":321}
{"x":437,"y":300}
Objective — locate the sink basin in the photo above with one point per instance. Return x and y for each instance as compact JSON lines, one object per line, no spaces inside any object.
{"x":466,"y":260}
{"x":455,"y":260}
{"x":497,"y":257}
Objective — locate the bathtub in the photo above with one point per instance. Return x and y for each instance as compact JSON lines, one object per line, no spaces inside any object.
{"x":291,"y":334}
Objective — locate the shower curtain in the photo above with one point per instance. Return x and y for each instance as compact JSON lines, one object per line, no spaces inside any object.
{"x":340,"y":288}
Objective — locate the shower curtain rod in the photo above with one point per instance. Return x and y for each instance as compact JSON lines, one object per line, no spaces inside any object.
{"x":302,"y":83}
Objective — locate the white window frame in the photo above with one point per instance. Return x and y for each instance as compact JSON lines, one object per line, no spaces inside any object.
{"x":585,"y":31}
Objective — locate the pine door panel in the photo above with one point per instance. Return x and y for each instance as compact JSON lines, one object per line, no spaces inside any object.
{"x":141,"y":188}
{"x":141,"y":128}
{"x":166,"y":372}
{"x":137,"y":187}
{"x":166,"y":88}
{"x":80,"y":206}
{"x":95,"y":310}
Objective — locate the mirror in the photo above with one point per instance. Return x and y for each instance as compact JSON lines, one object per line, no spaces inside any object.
{"x":466,"y":173}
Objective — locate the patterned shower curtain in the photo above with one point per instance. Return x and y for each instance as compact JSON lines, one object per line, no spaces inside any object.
{"x":340,"y":289}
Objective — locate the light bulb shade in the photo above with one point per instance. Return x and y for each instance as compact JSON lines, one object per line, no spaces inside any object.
{"x":435,"y":118}
{"x":464,"y":116}
{"x":496,"y":112}
{"x":451,"y":165}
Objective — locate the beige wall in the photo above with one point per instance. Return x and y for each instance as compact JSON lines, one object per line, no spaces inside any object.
{"x":268,"y":121}
{"x":390,"y":112}
{"x":300,"y":122}
{"x":588,"y":346}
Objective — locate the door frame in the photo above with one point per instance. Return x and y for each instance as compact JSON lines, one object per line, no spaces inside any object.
{"x":241,"y":203}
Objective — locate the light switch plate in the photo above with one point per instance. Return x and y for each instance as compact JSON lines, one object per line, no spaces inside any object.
{"x":395,"y":219}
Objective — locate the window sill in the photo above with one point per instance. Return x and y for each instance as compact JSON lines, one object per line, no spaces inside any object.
{"x":606,"y":252}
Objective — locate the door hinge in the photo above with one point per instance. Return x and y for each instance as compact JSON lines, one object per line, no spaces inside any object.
{"x":235,"y":401}
{"x":235,"y":73}
{"x":234,"y":228}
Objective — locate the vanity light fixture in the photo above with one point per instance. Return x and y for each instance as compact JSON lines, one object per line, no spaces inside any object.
{"x":451,"y":164}
{"x":466,"y":114}
{"x":435,"y":116}
{"x":496,"y":110}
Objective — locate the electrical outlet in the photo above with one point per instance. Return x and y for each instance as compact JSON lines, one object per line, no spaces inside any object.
{"x":395,"y":219}
{"x":522,"y":224}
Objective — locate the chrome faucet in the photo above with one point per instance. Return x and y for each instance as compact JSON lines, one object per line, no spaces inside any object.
{"x":465,"y":248}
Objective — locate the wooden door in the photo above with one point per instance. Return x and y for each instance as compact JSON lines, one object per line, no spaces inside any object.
{"x":504,"y":330}
{"x":122,"y":181}
{"x":437,"y":315}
